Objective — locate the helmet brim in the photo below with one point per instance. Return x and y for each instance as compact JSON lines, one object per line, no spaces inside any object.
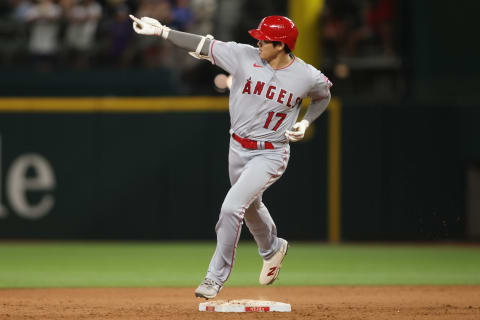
{"x":259,"y":35}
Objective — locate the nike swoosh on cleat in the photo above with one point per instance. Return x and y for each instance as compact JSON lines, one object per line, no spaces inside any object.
{"x":257,"y":66}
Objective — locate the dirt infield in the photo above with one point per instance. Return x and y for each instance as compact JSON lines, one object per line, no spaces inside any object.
{"x":362,"y":302}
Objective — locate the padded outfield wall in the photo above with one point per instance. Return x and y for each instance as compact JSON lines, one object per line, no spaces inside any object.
{"x":157,"y":169}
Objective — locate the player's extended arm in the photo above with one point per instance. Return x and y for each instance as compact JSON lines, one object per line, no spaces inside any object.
{"x":315,"y":109}
{"x":188,"y":41}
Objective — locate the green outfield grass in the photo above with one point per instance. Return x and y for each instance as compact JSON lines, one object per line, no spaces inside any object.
{"x":167,"y":264}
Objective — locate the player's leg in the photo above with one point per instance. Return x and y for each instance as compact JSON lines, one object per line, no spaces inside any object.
{"x":237,"y":159}
{"x":261,"y":226}
{"x":258,"y":174}
{"x":271,"y":248}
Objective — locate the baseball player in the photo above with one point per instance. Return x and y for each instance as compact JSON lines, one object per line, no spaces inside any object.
{"x":268,"y":85}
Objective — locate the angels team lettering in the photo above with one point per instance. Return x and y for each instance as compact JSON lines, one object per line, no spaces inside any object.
{"x":271,"y":92}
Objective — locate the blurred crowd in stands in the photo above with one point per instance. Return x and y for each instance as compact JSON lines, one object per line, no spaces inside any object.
{"x":44,"y":35}
{"x":82,"y":33}
{"x":358,"y":28}
{"x":362,"y":48}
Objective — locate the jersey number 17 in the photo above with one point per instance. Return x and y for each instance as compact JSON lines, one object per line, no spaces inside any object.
{"x":279,"y":122}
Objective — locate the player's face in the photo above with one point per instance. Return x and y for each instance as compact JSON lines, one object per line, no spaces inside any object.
{"x":267,"y":50}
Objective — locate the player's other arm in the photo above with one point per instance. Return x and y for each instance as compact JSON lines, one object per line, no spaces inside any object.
{"x":188,"y":41}
{"x":315,"y":109}
{"x":320,"y":96}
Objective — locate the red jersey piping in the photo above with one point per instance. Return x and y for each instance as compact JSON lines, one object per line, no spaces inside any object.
{"x":286,"y":65}
{"x":211,"y":52}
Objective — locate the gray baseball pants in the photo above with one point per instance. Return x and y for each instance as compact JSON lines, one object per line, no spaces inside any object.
{"x":251,"y":173}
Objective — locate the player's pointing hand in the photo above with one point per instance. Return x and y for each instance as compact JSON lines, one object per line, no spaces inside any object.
{"x":298,"y":131}
{"x":147,"y":26}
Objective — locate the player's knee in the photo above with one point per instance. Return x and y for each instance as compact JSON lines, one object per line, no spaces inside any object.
{"x":231,"y":209}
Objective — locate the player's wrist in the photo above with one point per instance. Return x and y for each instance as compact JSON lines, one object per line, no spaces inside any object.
{"x":305,"y":122}
{"x":164,"y":32}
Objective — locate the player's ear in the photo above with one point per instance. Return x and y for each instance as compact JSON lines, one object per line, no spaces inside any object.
{"x":279,"y":46}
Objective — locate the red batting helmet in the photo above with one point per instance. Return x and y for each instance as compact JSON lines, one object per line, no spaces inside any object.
{"x":276,"y":28}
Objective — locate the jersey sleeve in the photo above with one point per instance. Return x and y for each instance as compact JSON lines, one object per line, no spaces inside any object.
{"x":226,"y":55}
{"x":321,"y":86}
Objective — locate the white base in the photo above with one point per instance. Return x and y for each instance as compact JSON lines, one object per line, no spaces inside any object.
{"x":244,"y":305}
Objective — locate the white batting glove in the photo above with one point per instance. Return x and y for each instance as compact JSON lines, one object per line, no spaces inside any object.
{"x":147,"y":26}
{"x":298,"y":131}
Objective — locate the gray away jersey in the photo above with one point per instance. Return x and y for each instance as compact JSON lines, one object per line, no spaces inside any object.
{"x":264,"y":102}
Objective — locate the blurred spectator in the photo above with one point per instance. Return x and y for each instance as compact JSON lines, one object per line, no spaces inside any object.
{"x":82,"y":22}
{"x":356,"y":28}
{"x":43,"y":44}
{"x":228,"y":17}
{"x":157,"y":9}
{"x":20,"y":9}
{"x":13,"y":31}
{"x":153,"y":52}
{"x":249,"y":15}
{"x":379,"y":17}
{"x":181,"y":15}
{"x":341,"y":18}
{"x":196,"y":73}
{"x":203,"y":16}
{"x":119,"y":51}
